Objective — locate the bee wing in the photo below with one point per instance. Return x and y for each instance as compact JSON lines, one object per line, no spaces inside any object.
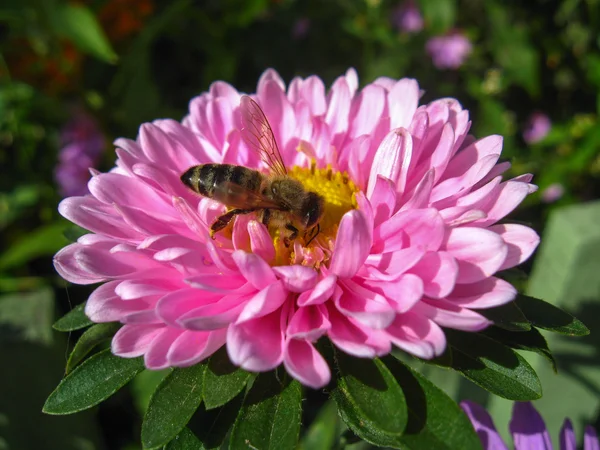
{"x":258,"y":135}
{"x":237,"y":196}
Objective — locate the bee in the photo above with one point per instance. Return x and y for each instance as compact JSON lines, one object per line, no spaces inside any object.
{"x":278,"y":200}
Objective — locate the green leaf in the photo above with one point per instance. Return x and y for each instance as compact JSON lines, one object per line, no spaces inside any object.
{"x":493,"y":366}
{"x":77,"y":23}
{"x":440,"y":15}
{"x":508,"y":317}
{"x":74,"y":232}
{"x":42,"y":241}
{"x":143,"y":386}
{"x":95,"y":380}
{"x":549,"y":317}
{"x":435,"y":421}
{"x":270,"y":416}
{"x":323,"y":431}
{"x":73,"y":320}
{"x":212,"y":427}
{"x":185,"y":440}
{"x":24,"y":317}
{"x":531,"y":341}
{"x":88,"y":340}
{"x":172,"y":405}
{"x":222,"y":380}
{"x":370,"y":400}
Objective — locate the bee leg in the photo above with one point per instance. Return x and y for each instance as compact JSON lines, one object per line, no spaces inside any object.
{"x":223,"y":220}
{"x":288,"y":239}
{"x":266,"y":217}
{"x":318,"y":227}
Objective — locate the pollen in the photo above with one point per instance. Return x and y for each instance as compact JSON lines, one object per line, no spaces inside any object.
{"x":336,"y":188}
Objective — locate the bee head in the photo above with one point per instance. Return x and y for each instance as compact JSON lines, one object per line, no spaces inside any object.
{"x":313,"y":209}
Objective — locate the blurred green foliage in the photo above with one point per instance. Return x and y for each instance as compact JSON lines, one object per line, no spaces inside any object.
{"x":131,"y":61}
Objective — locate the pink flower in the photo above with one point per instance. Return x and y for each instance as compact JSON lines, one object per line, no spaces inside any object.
{"x":409,"y":242}
{"x":449,"y":52}
{"x":537,"y":128}
{"x":407,"y":18}
{"x":82,"y":144}
{"x":553,"y":193}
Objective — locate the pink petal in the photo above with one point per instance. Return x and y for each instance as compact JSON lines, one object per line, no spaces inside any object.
{"x":390,"y":266}
{"x":439,"y":271}
{"x":69,"y":268}
{"x":254,"y":269}
{"x":418,"y":335}
{"x":352,"y":244}
{"x":214,"y":283}
{"x":260,"y":241}
{"x":486,"y":293}
{"x":134,"y":340}
{"x":383,"y":199}
{"x":309,"y":322}
{"x":365,"y":306}
{"x":321,"y":292}
{"x":172,"y":306}
{"x":155,"y":357}
{"x":338,"y":108}
{"x":450,"y":315}
{"x":306,"y":364}
{"x":423,"y":228}
{"x":367,"y":110}
{"x":297,"y":278}
{"x":191,"y":347}
{"x":392,"y":159}
{"x":355,"y":339}
{"x":402,"y":294}
{"x":215,"y":315}
{"x":521,"y":242}
{"x":134,"y":289}
{"x":479,"y":252}
{"x":264,"y":302}
{"x":257,"y":345}
{"x":403,"y":100}
{"x":507,"y":197}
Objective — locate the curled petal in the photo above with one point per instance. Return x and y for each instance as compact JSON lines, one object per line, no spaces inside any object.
{"x":134,"y":340}
{"x":352,"y":244}
{"x":417,"y":334}
{"x":306,"y":364}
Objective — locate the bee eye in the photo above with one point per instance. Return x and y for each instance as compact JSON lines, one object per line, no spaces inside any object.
{"x":273,"y":189}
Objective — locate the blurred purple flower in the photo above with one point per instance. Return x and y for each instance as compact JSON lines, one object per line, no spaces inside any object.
{"x":553,"y":193}
{"x":407,"y":18}
{"x":82,"y":144}
{"x":527,"y":428}
{"x":450,"y":51}
{"x":301,"y":28}
{"x":537,"y":128}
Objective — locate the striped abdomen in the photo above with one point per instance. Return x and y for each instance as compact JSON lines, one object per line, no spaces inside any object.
{"x":224,"y":183}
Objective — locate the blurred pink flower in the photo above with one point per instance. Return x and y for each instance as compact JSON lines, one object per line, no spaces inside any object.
{"x":450,"y":51}
{"x":527,"y":428}
{"x":409,"y":242}
{"x":537,"y":128}
{"x":82,"y":144}
{"x":407,"y":17}
{"x":553,"y":193}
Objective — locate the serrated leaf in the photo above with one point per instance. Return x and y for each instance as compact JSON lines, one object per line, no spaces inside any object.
{"x":323,"y":431}
{"x":369,"y":400}
{"x":222,"y":380}
{"x":493,"y":366}
{"x":270,"y":415}
{"x":172,"y":405}
{"x":95,"y":380}
{"x":531,"y":341}
{"x":77,"y":23}
{"x":549,"y":317}
{"x":435,"y":421}
{"x":88,"y":340}
{"x":42,"y":241}
{"x":185,"y":440}
{"x":73,"y":320}
{"x":508,"y":317}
